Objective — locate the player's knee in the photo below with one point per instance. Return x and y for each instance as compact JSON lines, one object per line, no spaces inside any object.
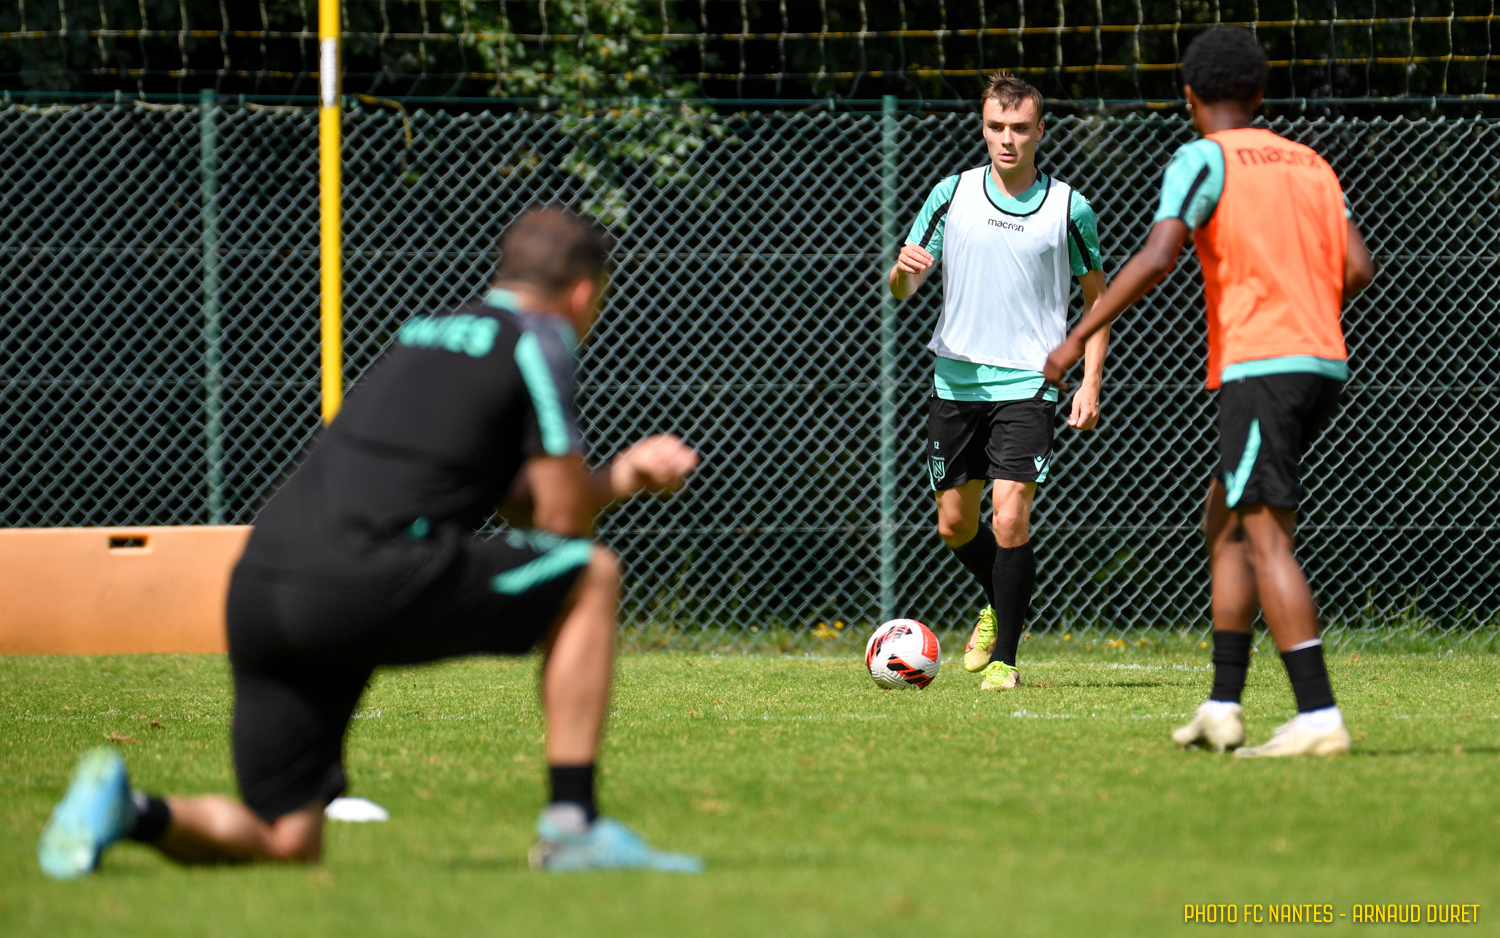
{"x":305,"y":849}
{"x":295,"y":842}
{"x":1265,"y":547}
{"x":957,"y":530}
{"x":597,"y":587}
{"x":605,"y":569}
{"x":1010,"y":526}
{"x":603,"y":575}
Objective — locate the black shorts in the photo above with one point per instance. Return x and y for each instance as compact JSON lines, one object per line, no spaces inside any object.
{"x":969,"y":440}
{"x":1266,"y":424}
{"x":301,"y":652}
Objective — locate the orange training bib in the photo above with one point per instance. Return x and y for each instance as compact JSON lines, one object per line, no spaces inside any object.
{"x":1273,"y":253}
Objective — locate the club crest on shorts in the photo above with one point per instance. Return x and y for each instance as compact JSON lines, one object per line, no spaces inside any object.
{"x":938,"y":468}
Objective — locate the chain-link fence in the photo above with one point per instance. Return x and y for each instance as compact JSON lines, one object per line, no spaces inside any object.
{"x":160,"y":352}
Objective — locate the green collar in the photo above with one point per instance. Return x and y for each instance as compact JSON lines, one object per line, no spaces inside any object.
{"x":1028,"y":202}
{"x":508,"y":301}
{"x":502,"y":299}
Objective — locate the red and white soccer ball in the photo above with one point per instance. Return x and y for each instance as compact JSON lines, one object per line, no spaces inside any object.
{"x":902,"y":653}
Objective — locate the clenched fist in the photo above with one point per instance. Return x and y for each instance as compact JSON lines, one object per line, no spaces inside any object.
{"x":658,"y":463}
{"x":913,"y":260}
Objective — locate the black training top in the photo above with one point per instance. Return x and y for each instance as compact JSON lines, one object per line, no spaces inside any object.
{"x":425,"y":447}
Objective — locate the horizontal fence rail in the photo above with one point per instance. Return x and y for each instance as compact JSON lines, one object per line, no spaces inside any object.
{"x":160,"y":350}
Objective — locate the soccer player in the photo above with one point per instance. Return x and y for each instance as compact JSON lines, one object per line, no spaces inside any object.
{"x":365,"y":557}
{"x":1010,"y":238}
{"x":1280,"y":255}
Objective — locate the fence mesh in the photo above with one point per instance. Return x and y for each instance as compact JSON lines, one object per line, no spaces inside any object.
{"x":1077,"y":51}
{"x":159,"y":362}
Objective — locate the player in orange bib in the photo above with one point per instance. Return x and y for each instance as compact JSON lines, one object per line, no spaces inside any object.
{"x":1280,"y":256}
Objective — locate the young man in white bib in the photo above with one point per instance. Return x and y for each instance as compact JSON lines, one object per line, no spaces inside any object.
{"x":1010,"y":238}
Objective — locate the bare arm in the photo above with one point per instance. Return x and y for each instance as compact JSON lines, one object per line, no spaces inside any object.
{"x":909,"y":271}
{"x":1085,"y":413}
{"x":1142,"y":272}
{"x":559,"y":494}
{"x":1359,"y":266}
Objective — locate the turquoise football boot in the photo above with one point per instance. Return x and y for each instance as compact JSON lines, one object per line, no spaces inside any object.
{"x":604,"y":845}
{"x":95,"y":812}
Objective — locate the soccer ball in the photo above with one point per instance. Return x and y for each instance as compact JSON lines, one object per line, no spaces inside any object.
{"x":902,"y":653}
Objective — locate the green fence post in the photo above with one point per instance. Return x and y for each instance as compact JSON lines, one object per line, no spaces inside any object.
{"x":213,"y":386}
{"x":888,"y":171}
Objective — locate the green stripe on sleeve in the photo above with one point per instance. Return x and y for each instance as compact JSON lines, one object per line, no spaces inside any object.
{"x":551,"y":565}
{"x":927,"y":229}
{"x":1083,"y":224}
{"x":544,"y":397}
{"x":1192,"y":183}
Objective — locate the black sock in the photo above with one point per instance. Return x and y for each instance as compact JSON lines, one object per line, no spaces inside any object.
{"x":575,"y":783}
{"x":978,"y":557}
{"x":1014,"y":578}
{"x":1231,"y":661}
{"x":151,"y":818}
{"x":1309,"y":676}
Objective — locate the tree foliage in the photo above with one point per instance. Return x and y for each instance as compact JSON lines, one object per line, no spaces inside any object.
{"x":611,"y":86}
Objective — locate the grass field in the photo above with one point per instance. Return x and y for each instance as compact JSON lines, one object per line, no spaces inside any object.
{"x":823,"y":806}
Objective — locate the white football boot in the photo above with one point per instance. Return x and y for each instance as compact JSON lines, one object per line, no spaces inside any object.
{"x":1217,"y":723}
{"x":1317,"y":733}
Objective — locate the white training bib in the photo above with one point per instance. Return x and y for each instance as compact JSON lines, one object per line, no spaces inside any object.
{"x":1006,"y":278}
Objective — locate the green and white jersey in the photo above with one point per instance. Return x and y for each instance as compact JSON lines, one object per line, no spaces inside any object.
{"x":1007,"y":264}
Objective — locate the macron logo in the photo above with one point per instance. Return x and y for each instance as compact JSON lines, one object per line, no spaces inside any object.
{"x":1008,"y":225}
{"x":1274,"y":154}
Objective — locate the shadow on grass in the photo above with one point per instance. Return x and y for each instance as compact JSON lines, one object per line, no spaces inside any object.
{"x":715,"y":863}
{"x":837,"y":639}
{"x":512,"y":865}
{"x":1108,"y":684}
{"x":1428,"y":751}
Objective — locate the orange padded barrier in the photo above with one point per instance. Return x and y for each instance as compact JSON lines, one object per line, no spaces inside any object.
{"x":97,"y":591}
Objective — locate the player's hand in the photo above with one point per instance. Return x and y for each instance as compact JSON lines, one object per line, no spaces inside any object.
{"x":913,"y":260}
{"x":656,"y":464}
{"x":1085,"y":415}
{"x":1061,"y":359}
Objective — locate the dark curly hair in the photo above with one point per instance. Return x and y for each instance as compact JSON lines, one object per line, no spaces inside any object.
{"x":1225,"y":64}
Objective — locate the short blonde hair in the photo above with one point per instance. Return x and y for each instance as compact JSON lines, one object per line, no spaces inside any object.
{"x":1007,"y":91}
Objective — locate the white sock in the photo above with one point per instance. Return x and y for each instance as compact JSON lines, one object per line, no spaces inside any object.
{"x":568,"y":816}
{"x":1328,"y":718}
{"x":1220,"y":709}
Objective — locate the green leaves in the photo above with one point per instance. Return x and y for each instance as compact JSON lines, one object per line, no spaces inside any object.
{"x":606,"y":77}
